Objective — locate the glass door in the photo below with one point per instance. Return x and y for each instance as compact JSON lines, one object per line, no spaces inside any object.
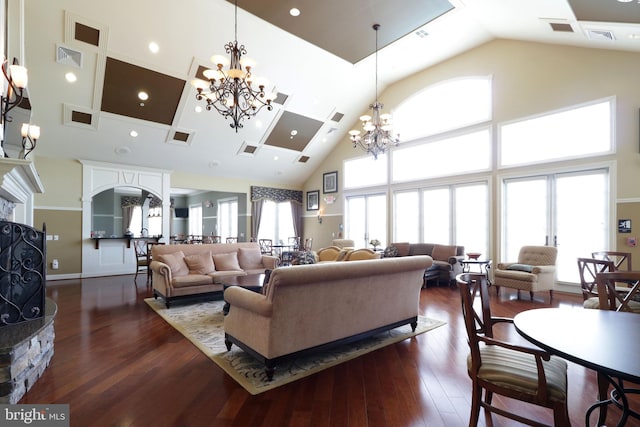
{"x":566,"y":210}
{"x":366,"y":219}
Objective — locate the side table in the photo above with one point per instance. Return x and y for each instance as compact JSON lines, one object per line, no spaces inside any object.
{"x":484,"y":267}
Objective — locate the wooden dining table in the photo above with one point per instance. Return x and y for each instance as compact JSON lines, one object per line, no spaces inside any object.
{"x":605,"y":341}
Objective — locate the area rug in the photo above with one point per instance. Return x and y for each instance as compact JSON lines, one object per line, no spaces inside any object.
{"x":202,"y":324}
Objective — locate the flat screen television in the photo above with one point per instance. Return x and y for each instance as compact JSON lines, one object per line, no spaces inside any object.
{"x":182,"y":212}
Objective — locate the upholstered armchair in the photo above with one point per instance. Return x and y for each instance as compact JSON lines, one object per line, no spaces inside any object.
{"x":534,"y":271}
{"x":360,"y":254}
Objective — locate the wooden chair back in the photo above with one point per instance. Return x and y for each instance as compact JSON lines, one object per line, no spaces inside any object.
{"x":266,"y":246}
{"x":609,"y":295}
{"x":621,"y":260}
{"x":588,"y":268}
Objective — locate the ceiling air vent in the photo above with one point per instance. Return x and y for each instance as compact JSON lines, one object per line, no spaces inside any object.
{"x":561,"y":27}
{"x":303,"y":159}
{"x":248,"y":149}
{"x":67,"y":56}
{"x":337,"y":117}
{"x":180,"y":137}
{"x":604,"y":35}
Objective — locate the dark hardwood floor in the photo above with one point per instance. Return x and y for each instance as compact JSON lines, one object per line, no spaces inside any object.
{"x":117,"y":363}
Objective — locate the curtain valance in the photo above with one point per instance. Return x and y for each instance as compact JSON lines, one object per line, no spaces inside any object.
{"x":275,"y":194}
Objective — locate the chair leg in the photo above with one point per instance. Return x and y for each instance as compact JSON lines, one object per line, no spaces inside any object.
{"x":476,"y":396}
{"x":550,"y":294}
{"x":531,"y":295}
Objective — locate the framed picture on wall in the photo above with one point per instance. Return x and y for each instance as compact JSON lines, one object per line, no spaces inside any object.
{"x":313,"y":200}
{"x":330,"y":182}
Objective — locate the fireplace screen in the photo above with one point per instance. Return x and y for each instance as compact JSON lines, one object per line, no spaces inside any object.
{"x":22,"y":273}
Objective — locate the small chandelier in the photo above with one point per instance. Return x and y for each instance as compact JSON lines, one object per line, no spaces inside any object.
{"x":230,"y":92}
{"x":378,"y":129}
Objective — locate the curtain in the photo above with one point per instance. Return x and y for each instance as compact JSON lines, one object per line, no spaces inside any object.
{"x":296,"y":214}
{"x":127,"y":215}
{"x":256,"y":215}
{"x":260,"y":194}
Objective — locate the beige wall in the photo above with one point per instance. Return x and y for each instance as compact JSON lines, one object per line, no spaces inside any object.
{"x":528,"y":79}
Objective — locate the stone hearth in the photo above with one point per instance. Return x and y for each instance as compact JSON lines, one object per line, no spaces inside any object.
{"x":26,"y":349}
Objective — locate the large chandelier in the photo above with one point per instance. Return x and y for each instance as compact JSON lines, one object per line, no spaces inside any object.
{"x":234,"y":93}
{"x":378,"y":127}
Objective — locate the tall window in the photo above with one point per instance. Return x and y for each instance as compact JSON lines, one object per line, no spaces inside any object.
{"x":228,"y":218}
{"x":448,"y":105}
{"x":576,"y":132}
{"x":276,"y":222}
{"x":365,"y":171}
{"x":195,"y":220}
{"x":366,"y":219}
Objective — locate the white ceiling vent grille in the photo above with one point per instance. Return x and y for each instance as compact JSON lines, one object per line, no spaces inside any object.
{"x":604,"y":35}
{"x":68,"y":56}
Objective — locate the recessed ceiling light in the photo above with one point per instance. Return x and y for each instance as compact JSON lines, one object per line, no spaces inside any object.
{"x":133,"y":134}
{"x":122,"y":150}
{"x":153,"y":47}
{"x":71,"y":77}
{"x":143,"y":96}
{"x":214,"y":163}
{"x":294,"y":132}
{"x":275,"y":157}
{"x":625,"y":1}
{"x":294,"y":11}
{"x":198,"y":109}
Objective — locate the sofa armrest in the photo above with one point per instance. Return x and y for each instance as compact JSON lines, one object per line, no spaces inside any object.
{"x":161,"y":276}
{"x":504,"y":265}
{"x":456,"y":259}
{"x":544,"y":269}
{"x":270,"y":262}
{"x":248,"y":300}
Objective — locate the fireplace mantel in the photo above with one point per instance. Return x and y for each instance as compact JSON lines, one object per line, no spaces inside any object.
{"x":20,"y":180}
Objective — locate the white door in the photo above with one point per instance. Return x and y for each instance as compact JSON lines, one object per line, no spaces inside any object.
{"x":566,"y":210}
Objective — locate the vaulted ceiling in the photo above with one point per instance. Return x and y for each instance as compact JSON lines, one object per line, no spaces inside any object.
{"x":320,"y":63}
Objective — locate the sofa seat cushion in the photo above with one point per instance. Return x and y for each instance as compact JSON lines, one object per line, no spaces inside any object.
{"x":516,"y":275}
{"x":443,"y":252}
{"x":176,"y":263}
{"x":228,"y":273}
{"x":226,"y":262}
{"x":191,"y":280}
{"x":249,"y":258}
{"x":200,"y":263}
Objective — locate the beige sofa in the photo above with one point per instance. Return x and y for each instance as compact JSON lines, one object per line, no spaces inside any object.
{"x":187,"y":270}
{"x":446,"y":259}
{"x":305,"y":307}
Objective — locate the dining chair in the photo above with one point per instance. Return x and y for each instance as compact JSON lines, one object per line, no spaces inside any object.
{"x":610,"y":297}
{"x":232,"y":240}
{"x":498,"y":367}
{"x":266,"y":246}
{"x":294,"y":243}
{"x":216,"y":239}
{"x":621,"y":260}
{"x":142,"y":257}
{"x":588,"y":268}
{"x":308,"y":243}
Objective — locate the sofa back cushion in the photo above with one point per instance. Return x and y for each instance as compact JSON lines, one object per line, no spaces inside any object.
{"x":421,"y":249}
{"x":443,"y":252}
{"x":249,"y":258}
{"x":200,"y":263}
{"x":227,"y":262}
{"x":176,"y":263}
{"x":403,"y":248}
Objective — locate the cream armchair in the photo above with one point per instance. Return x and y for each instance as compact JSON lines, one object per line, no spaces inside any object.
{"x":534,"y":271}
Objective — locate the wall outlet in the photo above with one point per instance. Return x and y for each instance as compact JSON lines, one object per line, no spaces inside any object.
{"x":54,"y":264}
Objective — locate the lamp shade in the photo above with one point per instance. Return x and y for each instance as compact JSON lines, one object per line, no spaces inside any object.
{"x":19,"y":75}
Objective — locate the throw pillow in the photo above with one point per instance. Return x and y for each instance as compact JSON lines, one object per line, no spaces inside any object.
{"x":390,"y":252}
{"x":403,"y":248}
{"x":200,"y":263}
{"x":250,"y":258}
{"x":176,"y":263}
{"x":443,"y":252}
{"x":521,"y":267}
{"x":227,"y":262}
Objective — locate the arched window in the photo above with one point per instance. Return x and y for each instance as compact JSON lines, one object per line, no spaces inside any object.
{"x":444,"y":106}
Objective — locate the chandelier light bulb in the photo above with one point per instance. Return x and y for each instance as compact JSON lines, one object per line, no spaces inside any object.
{"x":18,"y":75}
